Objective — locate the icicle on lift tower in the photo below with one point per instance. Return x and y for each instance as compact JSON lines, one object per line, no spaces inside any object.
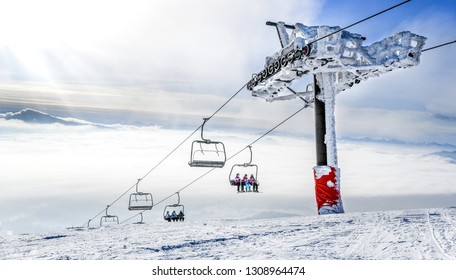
{"x":337,"y":60}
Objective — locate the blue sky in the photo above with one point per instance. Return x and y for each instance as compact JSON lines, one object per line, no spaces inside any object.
{"x":171,"y":63}
{"x":121,"y":61}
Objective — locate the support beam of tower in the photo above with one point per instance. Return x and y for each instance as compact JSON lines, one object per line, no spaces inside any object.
{"x":320,"y":125}
{"x":337,"y":60}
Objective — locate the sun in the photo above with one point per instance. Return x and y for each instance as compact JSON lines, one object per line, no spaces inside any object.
{"x":50,"y":23}
{"x":37,"y":35}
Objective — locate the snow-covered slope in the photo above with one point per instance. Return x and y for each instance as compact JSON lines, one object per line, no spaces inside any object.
{"x":410,"y":234}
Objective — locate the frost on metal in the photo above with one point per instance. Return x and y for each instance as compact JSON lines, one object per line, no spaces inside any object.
{"x":341,"y":53}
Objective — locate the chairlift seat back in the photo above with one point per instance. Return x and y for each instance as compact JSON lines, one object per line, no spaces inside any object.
{"x":140,"y":201}
{"x":206,"y":163}
{"x":109,"y":219}
{"x":206,"y":153}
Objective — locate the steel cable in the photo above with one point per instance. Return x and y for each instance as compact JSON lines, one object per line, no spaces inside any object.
{"x":168,"y":155}
{"x":221,"y":107}
{"x":228,"y":159}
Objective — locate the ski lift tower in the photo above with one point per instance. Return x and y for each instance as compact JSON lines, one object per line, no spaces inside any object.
{"x":337,"y":60}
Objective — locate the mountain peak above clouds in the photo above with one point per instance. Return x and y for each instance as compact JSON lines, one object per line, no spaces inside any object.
{"x":450,"y":155}
{"x":34,"y":116}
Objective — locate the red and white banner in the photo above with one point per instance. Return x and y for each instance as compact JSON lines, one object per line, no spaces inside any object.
{"x":327,"y":189}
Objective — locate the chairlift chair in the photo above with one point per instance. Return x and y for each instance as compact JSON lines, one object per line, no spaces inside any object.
{"x":88,"y":223}
{"x":141,"y":221}
{"x":177,"y":207}
{"x":108,"y":219}
{"x":207,"y":153}
{"x":75,"y":228}
{"x":140,"y":201}
{"x":244,"y":168}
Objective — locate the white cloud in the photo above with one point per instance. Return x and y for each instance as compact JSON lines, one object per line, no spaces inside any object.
{"x":403,"y":125}
{"x":389,"y":170}
{"x":75,"y":172}
{"x":177,"y":44}
{"x":179,"y":61}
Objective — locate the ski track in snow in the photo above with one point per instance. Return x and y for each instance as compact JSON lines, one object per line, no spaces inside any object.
{"x":443,"y":233}
{"x":408,"y":234}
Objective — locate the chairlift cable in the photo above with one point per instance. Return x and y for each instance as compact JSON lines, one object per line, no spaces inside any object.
{"x":300,"y":97}
{"x":272,"y":129}
{"x":316,"y":40}
{"x":140,"y":213}
{"x":360,"y":21}
{"x":265,"y":134}
{"x":150,"y":171}
{"x":170,"y":153}
{"x":212,"y":169}
{"x":224,"y":104}
{"x":181,"y":189}
{"x":306,"y":103}
{"x":87,"y":223}
{"x":438,"y":46}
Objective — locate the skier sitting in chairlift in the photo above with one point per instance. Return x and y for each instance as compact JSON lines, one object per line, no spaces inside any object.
{"x":168,"y":216}
{"x":174,"y":216}
{"x":180,"y":216}
{"x":236,"y":182}
{"x":245,"y":184}
{"x":254,"y":183}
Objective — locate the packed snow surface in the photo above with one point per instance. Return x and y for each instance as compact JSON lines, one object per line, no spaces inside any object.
{"x":409,"y":234}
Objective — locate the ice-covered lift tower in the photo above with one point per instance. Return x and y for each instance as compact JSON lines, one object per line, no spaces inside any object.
{"x":337,"y":60}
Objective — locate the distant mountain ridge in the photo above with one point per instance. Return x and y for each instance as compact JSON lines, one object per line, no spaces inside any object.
{"x":451,"y":155}
{"x":34,"y":116}
{"x":386,"y":140}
